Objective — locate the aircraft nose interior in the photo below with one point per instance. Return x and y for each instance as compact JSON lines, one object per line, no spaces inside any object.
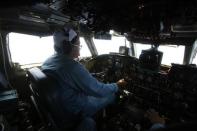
{"x":149,"y":32}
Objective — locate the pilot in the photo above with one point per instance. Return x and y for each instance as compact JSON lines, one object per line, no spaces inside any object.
{"x":83,"y":95}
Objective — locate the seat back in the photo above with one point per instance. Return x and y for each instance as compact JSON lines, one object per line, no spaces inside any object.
{"x":45,"y":93}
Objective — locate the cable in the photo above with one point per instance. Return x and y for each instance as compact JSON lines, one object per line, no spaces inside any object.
{"x":4,"y":62}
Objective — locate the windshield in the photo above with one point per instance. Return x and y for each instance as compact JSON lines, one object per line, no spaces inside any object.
{"x":194,"y":57}
{"x":171,"y":53}
{"x":28,"y":49}
{"x":110,"y":46}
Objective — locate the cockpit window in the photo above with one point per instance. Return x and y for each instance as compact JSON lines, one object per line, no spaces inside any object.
{"x":194,"y":54}
{"x":34,"y":50}
{"x":28,"y":49}
{"x":194,"y":60}
{"x":171,"y":53}
{"x":84,"y":52}
{"x":110,"y":46}
{"x":140,"y":47}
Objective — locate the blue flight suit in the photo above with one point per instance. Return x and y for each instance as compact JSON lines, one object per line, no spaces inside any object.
{"x":81,"y":93}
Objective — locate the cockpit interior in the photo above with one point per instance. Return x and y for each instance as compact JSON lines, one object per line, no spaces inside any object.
{"x":151,"y":44}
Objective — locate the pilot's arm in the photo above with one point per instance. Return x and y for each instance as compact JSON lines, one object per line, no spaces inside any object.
{"x":91,"y":85}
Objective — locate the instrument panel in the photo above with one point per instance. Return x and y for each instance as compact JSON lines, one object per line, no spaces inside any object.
{"x":173,"y":94}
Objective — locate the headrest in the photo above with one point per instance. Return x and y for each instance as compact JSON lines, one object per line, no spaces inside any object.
{"x":36,"y":75}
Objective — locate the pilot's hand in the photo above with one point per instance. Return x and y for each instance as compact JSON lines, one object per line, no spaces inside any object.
{"x":121,"y":83}
{"x":154,"y":117}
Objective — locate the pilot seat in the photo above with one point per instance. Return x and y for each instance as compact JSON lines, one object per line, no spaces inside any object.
{"x":45,"y":97}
